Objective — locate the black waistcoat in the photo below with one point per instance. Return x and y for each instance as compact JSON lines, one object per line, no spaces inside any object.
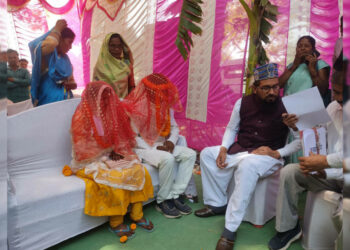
{"x":260,"y":125}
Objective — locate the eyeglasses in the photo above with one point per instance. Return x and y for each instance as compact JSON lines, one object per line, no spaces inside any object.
{"x":268,"y":88}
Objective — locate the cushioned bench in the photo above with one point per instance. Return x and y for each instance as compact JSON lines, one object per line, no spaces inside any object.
{"x":3,"y":178}
{"x":45,"y":207}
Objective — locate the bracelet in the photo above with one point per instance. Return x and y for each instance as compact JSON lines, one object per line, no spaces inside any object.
{"x":53,"y":38}
{"x":57,"y":32}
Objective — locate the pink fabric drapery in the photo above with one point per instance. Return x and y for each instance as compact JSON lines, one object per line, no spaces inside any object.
{"x":17,"y":3}
{"x":59,"y":11}
{"x":222,"y":91}
{"x":166,"y":58}
{"x":85,"y":45}
{"x":324,"y":26}
{"x":227,"y":69}
{"x":277,"y":48}
{"x":346,"y":22}
{"x":29,"y":23}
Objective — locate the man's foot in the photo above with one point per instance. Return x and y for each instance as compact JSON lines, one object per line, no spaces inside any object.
{"x":168,"y":209}
{"x":204,"y":212}
{"x":122,"y":230}
{"x":281,"y":241}
{"x":224,"y":244}
{"x":182,"y":206}
{"x":145,"y":224}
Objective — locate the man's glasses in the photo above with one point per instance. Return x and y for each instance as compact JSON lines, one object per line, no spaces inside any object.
{"x":268,"y":88}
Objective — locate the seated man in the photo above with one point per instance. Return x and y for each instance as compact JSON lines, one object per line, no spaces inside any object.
{"x":150,"y":107}
{"x":295,"y":178}
{"x":18,"y":79}
{"x":258,"y":151}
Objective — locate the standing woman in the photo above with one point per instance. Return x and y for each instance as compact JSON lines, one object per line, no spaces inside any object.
{"x":52,"y":73}
{"x":115,"y":65}
{"x":307,"y":70}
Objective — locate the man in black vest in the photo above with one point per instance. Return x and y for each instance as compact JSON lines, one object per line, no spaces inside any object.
{"x":257,"y":122}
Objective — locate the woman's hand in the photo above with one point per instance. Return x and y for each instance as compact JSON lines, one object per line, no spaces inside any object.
{"x":312,"y":59}
{"x":298,"y":59}
{"x":60,"y":25}
{"x":70,"y":84}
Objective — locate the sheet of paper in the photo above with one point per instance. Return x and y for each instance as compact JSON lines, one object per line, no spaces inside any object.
{"x":308,"y":106}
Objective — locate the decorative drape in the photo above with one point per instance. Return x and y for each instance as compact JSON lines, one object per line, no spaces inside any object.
{"x":277,"y":48}
{"x":3,"y":25}
{"x":324,"y":26}
{"x":29,"y":23}
{"x":58,"y":10}
{"x":346,"y":20}
{"x":13,"y":5}
{"x":211,"y":80}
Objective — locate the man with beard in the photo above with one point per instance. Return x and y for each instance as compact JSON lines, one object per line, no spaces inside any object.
{"x":257,"y":122}
{"x":315,"y":172}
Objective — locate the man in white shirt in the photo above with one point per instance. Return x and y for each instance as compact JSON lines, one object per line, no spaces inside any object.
{"x":155,"y":96}
{"x":314,"y":173}
{"x":256,"y":120}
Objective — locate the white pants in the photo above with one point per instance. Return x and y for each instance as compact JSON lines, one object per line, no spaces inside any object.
{"x":166,"y":163}
{"x":246,"y":168}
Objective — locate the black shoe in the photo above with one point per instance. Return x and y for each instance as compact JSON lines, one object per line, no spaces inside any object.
{"x":281,"y":241}
{"x":168,"y":209}
{"x":182,"y":206}
{"x":204,"y":212}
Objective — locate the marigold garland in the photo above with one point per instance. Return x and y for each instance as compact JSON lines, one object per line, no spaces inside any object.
{"x":123,"y":239}
{"x":133,"y":226}
{"x":67,"y":171}
{"x":159,"y":92}
{"x":166,"y":130}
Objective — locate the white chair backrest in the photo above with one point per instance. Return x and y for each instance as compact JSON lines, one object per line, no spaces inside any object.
{"x":3,"y":146}
{"x":18,"y":107}
{"x":39,"y":139}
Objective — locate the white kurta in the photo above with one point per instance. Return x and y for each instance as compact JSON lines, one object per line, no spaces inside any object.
{"x":246,"y":168}
{"x":182,"y":157}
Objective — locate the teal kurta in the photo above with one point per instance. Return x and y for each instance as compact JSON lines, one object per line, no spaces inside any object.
{"x":300,"y":79}
{"x":18,"y":90}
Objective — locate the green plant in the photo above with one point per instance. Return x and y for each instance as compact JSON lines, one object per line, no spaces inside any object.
{"x":191,"y":15}
{"x":259,"y":15}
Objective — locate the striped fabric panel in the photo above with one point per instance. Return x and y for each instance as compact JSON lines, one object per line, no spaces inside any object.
{"x":199,"y":68}
{"x":299,"y":25}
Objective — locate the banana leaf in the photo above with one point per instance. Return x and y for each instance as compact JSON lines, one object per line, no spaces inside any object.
{"x":259,"y":15}
{"x":190,"y":16}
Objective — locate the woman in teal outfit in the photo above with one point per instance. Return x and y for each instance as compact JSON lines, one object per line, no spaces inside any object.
{"x":305,"y":72}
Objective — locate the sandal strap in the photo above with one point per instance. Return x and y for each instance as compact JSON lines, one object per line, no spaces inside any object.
{"x":146,"y":223}
{"x":120,"y":230}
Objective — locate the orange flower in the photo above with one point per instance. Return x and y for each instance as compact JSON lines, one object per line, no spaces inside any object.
{"x":67,"y":171}
{"x":123,"y":239}
{"x":133,"y":226}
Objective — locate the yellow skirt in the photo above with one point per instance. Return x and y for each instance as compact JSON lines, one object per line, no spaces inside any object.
{"x":103,"y":200}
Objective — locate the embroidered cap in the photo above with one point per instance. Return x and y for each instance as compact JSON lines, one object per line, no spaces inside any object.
{"x":266,"y":71}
